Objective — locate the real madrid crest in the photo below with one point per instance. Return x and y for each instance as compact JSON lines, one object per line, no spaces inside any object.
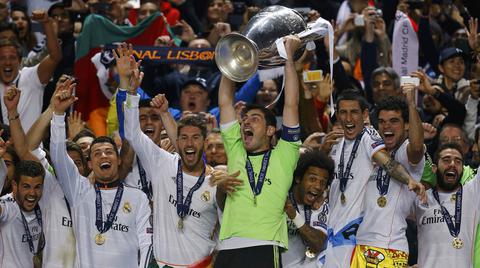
{"x":127,"y":208}
{"x":205,"y":196}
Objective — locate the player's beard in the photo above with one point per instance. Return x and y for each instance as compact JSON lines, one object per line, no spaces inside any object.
{"x":447,"y":186}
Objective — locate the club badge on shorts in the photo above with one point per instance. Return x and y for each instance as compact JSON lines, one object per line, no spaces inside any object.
{"x":127,"y":208}
{"x":309,"y":253}
{"x":205,"y":196}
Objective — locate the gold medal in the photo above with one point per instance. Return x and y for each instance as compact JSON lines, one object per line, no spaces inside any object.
{"x":37,"y":260}
{"x":100,"y":239}
{"x":382,"y":201}
{"x":205,"y":196}
{"x":310,"y":253}
{"x":457,"y":243}
{"x":343,"y":199}
{"x":180,"y":224}
{"x":127,"y":208}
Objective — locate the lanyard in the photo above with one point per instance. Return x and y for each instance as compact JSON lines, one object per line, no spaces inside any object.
{"x":41,"y":241}
{"x":257,"y":189}
{"x":345,"y":174}
{"x":143,"y":180}
{"x":454,"y":228}
{"x":183,"y":206}
{"x":383,"y":180}
{"x":101,"y":227}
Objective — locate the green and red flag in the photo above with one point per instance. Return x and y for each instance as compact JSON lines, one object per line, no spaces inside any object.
{"x":97,"y":32}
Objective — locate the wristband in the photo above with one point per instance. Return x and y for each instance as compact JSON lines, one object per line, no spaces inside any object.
{"x":299,"y":220}
{"x":14,"y":118}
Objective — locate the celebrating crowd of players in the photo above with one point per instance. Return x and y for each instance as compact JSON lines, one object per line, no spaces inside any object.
{"x":179,"y":193}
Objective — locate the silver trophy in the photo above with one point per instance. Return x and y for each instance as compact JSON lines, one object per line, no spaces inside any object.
{"x":238,"y":56}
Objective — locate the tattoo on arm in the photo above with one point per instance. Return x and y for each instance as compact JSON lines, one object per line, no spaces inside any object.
{"x":313,"y":238}
{"x":397,"y":171}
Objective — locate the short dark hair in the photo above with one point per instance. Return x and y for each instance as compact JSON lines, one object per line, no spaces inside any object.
{"x":393,"y":103}
{"x":9,"y":26}
{"x":192,"y":120}
{"x":28,"y":168}
{"x":457,"y":126}
{"x":314,"y":158}
{"x":11,"y":151}
{"x":388,"y":71}
{"x":103,"y":139}
{"x":84,"y":133}
{"x":270,"y":118}
{"x":448,"y":145}
{"x":214,"y":131}
{"x":352,"y":95}
{"x":145,"y":103}
{"x":74,"y":147}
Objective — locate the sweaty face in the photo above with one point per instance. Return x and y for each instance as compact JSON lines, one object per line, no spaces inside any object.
{"x":9,"y":64}
{"x":190,"y":143}
{"x":453,"y":68}
{"x":77,"y":159}
{"x":449,"y":169}
{"x":313,"y":184}
{"x":267,"y":93}
{"x":214,"y":150}
{"x":392,"y":128}
{"x":351,"y":118}
{"x":194,"y":99}
{"x":150,"y":123}
{"x":383,"y":86}
{"x":20,"y":19}
{"x":104,"y":161}
{"x":146,"y":10}
{"x":255,"y":133}
{"x":28,"y":192}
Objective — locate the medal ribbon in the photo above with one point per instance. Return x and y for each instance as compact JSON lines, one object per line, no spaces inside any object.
{"x":307,"y":209}
{"x":41,"y":241}
{"x":453,"y":228}
{"x":102,"y":228}
{"x":143,"y":180}
{"x":344,"y":174}
{"x":257,"y":189}
{"x":384,"y":180}
{"x":184,"y":206}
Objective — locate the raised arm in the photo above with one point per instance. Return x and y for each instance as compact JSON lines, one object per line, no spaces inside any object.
{"x":11,"y":99}
{"x":226,"y":94}
{"x":160,"y":104}
{"x":290,"y":107}
{"x":70,"y":180}
{"x":49,"y":63}
{"x":415,"y":148}
{"x":399,"y":173}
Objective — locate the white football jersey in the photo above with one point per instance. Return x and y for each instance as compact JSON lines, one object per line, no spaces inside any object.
{"x":385,"y":227}
{"x":173,"y":246}
{"x":59,"y":248}
{"x":350,"y":213}
{"x":133,"y":178}
{"x":295,"y":255}
{"x":435,"y":247}
{"x":131,"y":231}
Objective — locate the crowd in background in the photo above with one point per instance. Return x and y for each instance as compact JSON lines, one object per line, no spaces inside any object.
{"x":38,"y":54}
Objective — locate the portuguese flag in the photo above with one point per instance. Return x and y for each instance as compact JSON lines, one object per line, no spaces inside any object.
{"x":97,"y":32}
